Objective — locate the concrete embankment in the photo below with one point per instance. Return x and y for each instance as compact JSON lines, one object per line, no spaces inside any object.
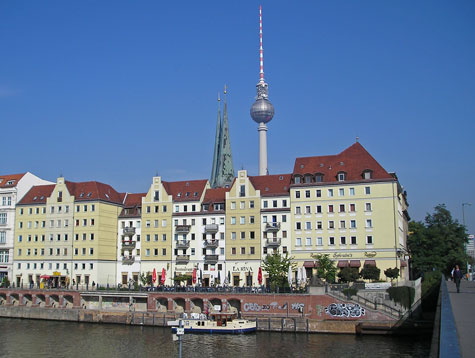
{"x":275,"y":324}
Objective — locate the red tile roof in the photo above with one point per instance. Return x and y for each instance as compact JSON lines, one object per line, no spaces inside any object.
{"x":132,"y":200}
{"x":37,"y":195}
{"x":216,"y":195}
{"x":353,"y":161}
{"x":272,"y":185}
{"x":93,"y":190}
{"x":4,"y":179}
{"x":189,"y":190}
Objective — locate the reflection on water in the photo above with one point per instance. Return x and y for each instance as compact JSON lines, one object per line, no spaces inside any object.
{"x":27,"y":338}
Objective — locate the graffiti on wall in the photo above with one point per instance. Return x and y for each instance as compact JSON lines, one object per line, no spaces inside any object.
{"x":255,"y":307}
{"x":345,"y":310}
{"x":320,"y":310}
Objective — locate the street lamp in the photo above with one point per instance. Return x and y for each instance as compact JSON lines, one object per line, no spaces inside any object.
{"x":463,"y":221}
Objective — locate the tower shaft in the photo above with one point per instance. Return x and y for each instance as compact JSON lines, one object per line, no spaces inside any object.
{"x":262,"y":129}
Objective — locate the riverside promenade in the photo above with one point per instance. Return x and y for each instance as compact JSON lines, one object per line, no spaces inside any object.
{"x":463,"y":307}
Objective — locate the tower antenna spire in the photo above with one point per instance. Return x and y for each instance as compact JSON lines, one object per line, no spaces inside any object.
{"x":261,"y":49}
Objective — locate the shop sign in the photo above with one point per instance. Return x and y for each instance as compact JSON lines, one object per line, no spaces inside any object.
{"x":242,"y":269}
{"x":341,"y":256}
{"x":370,"y":253}
{"x":56,"y":273}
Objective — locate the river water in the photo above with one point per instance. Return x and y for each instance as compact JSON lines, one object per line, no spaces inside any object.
{"x":32,"y":338}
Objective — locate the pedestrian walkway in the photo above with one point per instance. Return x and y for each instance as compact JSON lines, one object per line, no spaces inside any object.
{"x":463,"y":307}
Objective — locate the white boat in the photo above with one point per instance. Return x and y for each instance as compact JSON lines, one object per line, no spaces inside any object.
{"x":217,"y":323}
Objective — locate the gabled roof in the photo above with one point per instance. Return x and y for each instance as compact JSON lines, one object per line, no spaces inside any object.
{"x":93,"y":190}
{"x":37,"y":195}
{"x":272,"y":185}
{"x":353,"y":161}
{"x":10,"y":180}
{"x":189,"y":190}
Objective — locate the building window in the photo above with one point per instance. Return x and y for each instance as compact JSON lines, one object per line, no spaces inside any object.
{"x":147,"y":252}
{"x":330,"y":208}
{"x":243,"y":250}
{"x":319,"y":209}
{"x":342,"y":208}
{"x":297,"y":194}
{"x":307,"y":193}
{"x":233,"y":220}
{"x":251,"y":204}
{"x":368,"y":207}
{"x":308,"y":241}
{"x":297,"y":179}
{"x":308,"y":210}
{"x":341,"y":192}
{"x":369,"y":240}
{"x":298,"y":226}
{"x":233,"y":205}
{"x":242,"y":220}
{"x":233,"y":251}
{"x":353,"y":224}
{"x":242,"y":205}
{"x":319,"y":241}
{"x":343,"y":240}
{"x":319,"y":225}
{"x":319,"y":178}
{"x":308,"y":225}
{"x":367,"y":174}
{"x":352,"y":191}
{"x":331,"y":224}
{"x":367,"y":190}
{"x":330,"y":193}
{"x":369,"y":223}
{"x":341,"y":176}
{"x":233,"y":235}
{"x":242,"y":191}
{"x":243,"y":235}
{"x":252,"y":235}
{"x":352,"y":208}
{"x":353,"y":240}
{"x":265,"y":204}
{"x":342,"y":224}
{"x":297,"y":210}
{"x":298,"y":241}
{"x":331,"y":241}
{"x":253,"y":250}
{"x":319,"y":193}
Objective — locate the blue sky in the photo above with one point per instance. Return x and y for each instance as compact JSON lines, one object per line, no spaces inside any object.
{"x":117,"y":91}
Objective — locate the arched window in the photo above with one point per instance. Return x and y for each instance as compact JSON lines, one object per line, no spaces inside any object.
{"x":308,"y":178}
{"x":319,"y":177}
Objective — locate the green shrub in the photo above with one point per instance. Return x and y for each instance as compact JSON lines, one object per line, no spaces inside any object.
{"x":350,"y":291}
{"x":348,"y":274}
{"x":403,"y":295}
{"x":370,"y":273}
{"x":430,"y":280}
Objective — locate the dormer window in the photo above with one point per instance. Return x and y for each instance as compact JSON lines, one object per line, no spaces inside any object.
{"x":179,"y":195}
{"x":297,"y":179}
{"x":341,"y":176}
{"x":187,"y":194}
{"x":10,"y":182}
{"x":81,"y":195}
{"x":195,"y":194}
{"x":308,"y":178}
{"x":319,"y":177}
{"x":368,"y":174}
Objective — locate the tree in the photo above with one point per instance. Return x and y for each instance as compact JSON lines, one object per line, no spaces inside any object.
{"x":146,"y":279}
{"x":348,"y":274}
{"x":277,"y":267}
{"x":370,"y":273}
{"x":326,"y":267}
{"x":438,"y":243}
{"x":392,"y":273}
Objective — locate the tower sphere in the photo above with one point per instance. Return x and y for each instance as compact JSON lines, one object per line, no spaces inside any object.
{"x":262,"y":110}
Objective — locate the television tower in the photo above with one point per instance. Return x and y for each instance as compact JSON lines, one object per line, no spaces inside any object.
{"x":262,"y":110}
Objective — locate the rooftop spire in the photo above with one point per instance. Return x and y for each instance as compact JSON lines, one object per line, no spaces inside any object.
{"x":261,"y":49}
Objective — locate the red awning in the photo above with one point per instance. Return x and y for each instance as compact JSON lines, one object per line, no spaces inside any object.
{"x":343,"y":263}
{"x":308,"y":264}
{"x":370,"y":263}
{"x":403,"y":263}
{"x":45,"y":277}
{"x":355,"y":263}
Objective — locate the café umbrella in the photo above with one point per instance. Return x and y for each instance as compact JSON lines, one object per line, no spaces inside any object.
{"x":289,"y":275}
{"x":154,"y":276}
{"x":163,"y":276}
{"x":259,"y":276}
{"x":194,"y":276}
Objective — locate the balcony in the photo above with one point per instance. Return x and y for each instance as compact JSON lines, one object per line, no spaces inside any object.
{"x":128,"y":245}
{"x":183,"y":259}
{"x":182,"y":229}
{"x":129,"y":231}
{"x":211,"y":228}
{"x":182,"y":244}
{"x":273,"y":242}
{"x":211,"y":258}
{"x":128,"y":260}
{"x":272,"y":227}
{"x":211,"y":244}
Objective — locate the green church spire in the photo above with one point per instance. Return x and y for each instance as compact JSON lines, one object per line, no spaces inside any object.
{"x":222,"y":173}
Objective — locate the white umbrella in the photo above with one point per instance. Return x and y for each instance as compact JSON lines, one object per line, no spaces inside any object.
{"x":299,"y":276}
{"x":304,"y":275}
{"x":289,"y":275}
